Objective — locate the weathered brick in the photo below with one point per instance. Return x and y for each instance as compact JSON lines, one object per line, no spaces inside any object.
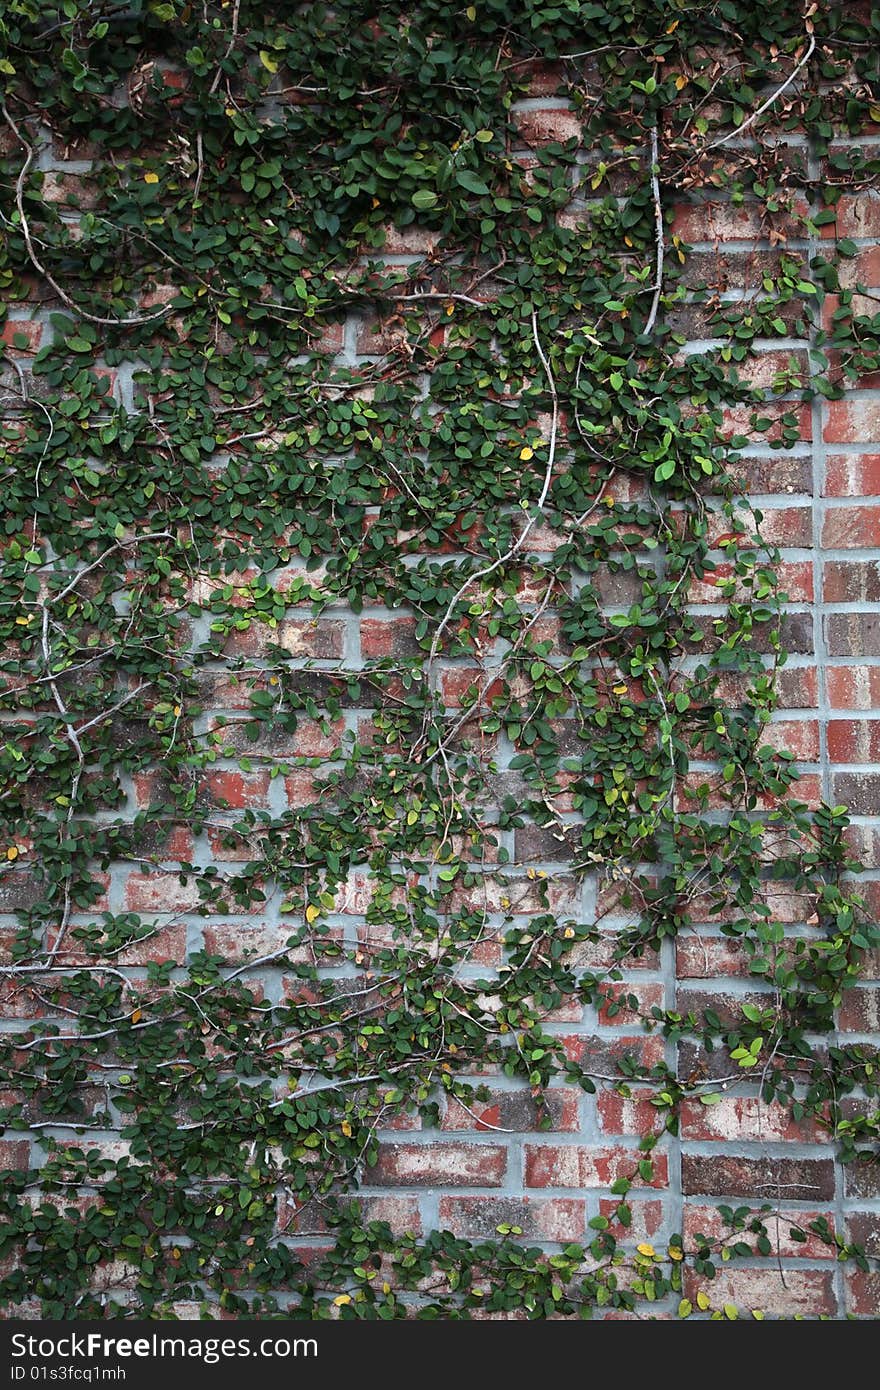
{"x":760,"y":1179}
{"x":853,"y":687}
{"x":851,"y":581}
{"x":544,"y":126}
{"x":852,"y":421}
{"x":705,"y":1220}
{"x":557,"y":1219}
{"x":804,"y":1292}
{"x":853,"y":634}
{"x":860,"y":791}
{"x":852,"y":475}
{"x":854,"y":740}
{"x":439,"y":1165}
{"x":852,"y":528}
{"x":514,"y":1110}
{"x":578,"y":1165}
{"x":735,"y":1118}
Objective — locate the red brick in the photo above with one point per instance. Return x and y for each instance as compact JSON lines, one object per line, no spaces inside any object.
{"x":409,"y":241}
{"x":558,"y":1219}
{"x":514,"y":1110}
{"x":715,"y":221}
{"x":236,"y":943}
{"x":461,"y":686}
{"x":707,"y":1221}
{"x":851,"y":581}
{"x":579,"y":1165}
{"x":858,"y":215}
{"x":860,"y":791}
{"x":29,"y":329}
{"x":706,"y":957}
{"x":797,"y":736}
{"x":160,"y":893}
{"x":758,"y":1179}
{"x":795,"y":579}
{"x":14,"y":1153}
{"x":863,"y":1289}
{"x":646,"y":995}
{"x":782,"y":1293}
{"x":646,"y":1217}
{"x":238,"y":790}
{"x":543,"y":126}
{"x":853,"y":687}
{"x":330,"y":339}
{"x":438,"y":1165}
{"x":168,"y":943}
{"x":852,"y":475}
{"x":863,"y":1292}
{"x":736,"y":1118}
{"x":860,"y":1011}
{"x":852,"y":422}
{"x":852,"y":528}
{"x":621,"y":1115}
{"x":388,"y":637}
{"x":854,"y":740}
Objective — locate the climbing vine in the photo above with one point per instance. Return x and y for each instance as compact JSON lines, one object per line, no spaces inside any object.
{"x":520,"y":474}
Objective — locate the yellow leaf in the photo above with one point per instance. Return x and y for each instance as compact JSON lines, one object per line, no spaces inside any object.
{"x":685,"y":1308}
{"x":471,"y":13}
{"x":151,"y":178}
{"x":675,"y":1253}
{"x":343,"y":1297}
{"x":619,"y":689}
{"x":346,"y":1129}
{"x":702,"y":1300}
{"x":312,"y":912}
{"x":680,"y":81}
{"x":608,"y":500}
{"x":23,"y":622}
{"x":568,"y":933}
{"x":268,"y":61}
{"x":526,"y":454}
{"x":647,"y":1250}
{"x":137,"y":1015}
{"x":12,"y":852}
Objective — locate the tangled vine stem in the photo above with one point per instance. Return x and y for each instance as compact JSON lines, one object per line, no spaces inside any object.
{"x":330,"y":676}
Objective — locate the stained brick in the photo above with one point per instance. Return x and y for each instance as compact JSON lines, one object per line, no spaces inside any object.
{"x":439,"y":1165}
{"x":578,"y":1165}
{"x":558,"y":1219}
{"x":761,"y":1179}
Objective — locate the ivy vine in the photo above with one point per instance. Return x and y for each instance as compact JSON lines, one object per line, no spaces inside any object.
{"x":202,"y":479}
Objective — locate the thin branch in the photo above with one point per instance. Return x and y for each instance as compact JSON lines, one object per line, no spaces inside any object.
{"x":521,"y":539}
{"x":135,"y":321}
{"x":771,"y":100}
{"x":658,"y":234}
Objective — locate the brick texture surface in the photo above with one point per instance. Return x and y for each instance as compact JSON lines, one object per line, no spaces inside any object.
{"x":493,"y":1164}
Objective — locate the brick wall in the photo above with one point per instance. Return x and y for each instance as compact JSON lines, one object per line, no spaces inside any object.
{"x":491,"y":1165}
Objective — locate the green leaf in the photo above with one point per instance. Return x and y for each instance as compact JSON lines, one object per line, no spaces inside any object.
{"x":471,"y":182}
